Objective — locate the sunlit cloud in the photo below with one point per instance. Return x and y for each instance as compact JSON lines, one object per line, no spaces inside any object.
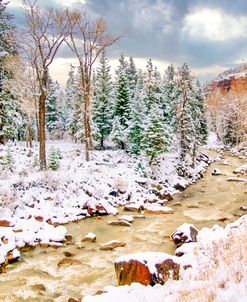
{"x":214,"y":25}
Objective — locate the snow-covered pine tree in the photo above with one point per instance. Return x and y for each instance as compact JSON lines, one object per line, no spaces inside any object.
{"x":131,"y":73}
{"x":7,"y":47}
{"x":156,"y":138}
{"x":202,"y":119}
{"x":52,"y":113}
{"x":102,"y":101}
{"x":72,"y":111}
{"x":170,"y":95}
{"x":156,"y":135}
{"x":188,"y":115}
{"x":137,"y":117}
{"x":121,"y":110}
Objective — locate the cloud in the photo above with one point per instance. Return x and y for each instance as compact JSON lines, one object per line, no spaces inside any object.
{"x":214,"y":25}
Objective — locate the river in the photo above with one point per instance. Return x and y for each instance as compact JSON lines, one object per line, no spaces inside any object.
{"x":36,"y":277}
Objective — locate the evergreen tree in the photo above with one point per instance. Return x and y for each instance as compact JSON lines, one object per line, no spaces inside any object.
{"x":131,"y":73}
{"x":156,"y":139}
{"x":189,"y":121}
{"x":170,"y":96}
{"x":52,"y":105}
{"x":137,"y":118}
{"x":201,"y":113}
{"x":102,"y":105}
{"x":121,"y":109}
{"x":7,"y":47}
{"x":72,"y":111}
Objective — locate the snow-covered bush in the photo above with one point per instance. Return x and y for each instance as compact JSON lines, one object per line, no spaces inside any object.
{"x":53,"y":159}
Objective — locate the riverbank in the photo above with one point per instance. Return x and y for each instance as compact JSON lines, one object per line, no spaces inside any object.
{"x":34,"y":204}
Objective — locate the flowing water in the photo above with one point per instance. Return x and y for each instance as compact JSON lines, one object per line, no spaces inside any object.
{"x":36,"y":277}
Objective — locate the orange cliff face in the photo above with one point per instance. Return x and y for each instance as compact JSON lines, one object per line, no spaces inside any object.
{"x":227,"y":94}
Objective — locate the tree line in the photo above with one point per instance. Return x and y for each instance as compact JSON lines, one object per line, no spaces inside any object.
{"x":140,"y":111}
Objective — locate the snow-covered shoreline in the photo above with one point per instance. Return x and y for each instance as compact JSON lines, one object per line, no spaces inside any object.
{"x":216,"y":272}
{"x":34,"y":204}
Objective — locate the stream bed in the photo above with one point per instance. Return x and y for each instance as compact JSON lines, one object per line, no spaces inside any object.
{"x":37,"y":277}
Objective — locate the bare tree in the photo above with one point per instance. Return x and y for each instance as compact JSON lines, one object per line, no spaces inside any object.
{"x":46,"y":29}
{"x":87,"y":40}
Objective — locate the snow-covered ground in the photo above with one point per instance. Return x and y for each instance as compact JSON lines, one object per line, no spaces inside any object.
{"x":34,"y":203}
{"x":218,"y":271}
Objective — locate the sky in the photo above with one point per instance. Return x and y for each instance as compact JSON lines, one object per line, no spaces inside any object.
{"x":209,"y":35}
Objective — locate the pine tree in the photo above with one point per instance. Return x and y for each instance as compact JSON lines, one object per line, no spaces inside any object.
{"x":7,"y":47}
{"x":189,"y":121}
{"x":137,"y":118}
{"x":53,"y":159}
{"x":121,"y":110}
{"x":72,"y":111}
{"x":131,"y":73}
{"x":156,"y":138}
{"x":102,"y":103}
{"x":52,"y":104}
{"x":170,"y":96}
{"x":201,"y":116}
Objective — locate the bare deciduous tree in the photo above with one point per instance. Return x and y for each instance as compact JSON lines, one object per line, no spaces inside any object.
{"x":46,"y":29}
{"x":87,"y":40}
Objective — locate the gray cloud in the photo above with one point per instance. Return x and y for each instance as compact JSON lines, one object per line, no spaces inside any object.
{"x":154,"y":28}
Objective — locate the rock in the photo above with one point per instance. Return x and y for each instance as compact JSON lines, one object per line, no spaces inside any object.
{"x":243,"y":208}
{"x":138,"y":216}
{"x":154,"y":209}
{"x":186,"y":248}
{"x":5,"y":223}
{"x":13,"y":256}
{"x":216,"y":172}
{"x":184,"y":234}
{"x":69,"y":238}
{"x":120,"y":223}
{"x":68,"y":254}
{"x":68,"y":262}
{"x":39,"y":287}
{"x":177,"y":204}
{"x":133,"y":207}
{"x":147,"y":268}
{"x":74,"y":300}
{"x":241,"y":170}
{"x":179,"y":186}
{"x":114,"y":193}
{"x":165,"y":196}
{"x":127,"y":218}
{"x":39,"y":218}
{"x":237,"y":179}
{"x":89,"y":237}
{"x":111,"y":245}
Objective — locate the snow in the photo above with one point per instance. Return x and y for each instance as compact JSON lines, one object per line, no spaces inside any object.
{"x":218,"y":269}
{"x":36,"y":202}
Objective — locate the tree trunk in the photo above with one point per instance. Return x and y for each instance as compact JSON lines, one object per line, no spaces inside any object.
{"x":29,"y":135}
{"x":41,"y":132}
{"x":102,"y":143}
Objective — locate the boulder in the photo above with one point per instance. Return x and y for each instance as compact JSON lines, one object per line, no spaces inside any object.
{"x":13,"y":256}
{"x":147,"y":268}
{"x":154,"y":209}
{"x":184,"y":234}
{"x":186,"y":248}
{"x":165,"y":195}
{"x":241,"y":170}
{"x":68,"y":262}
{"x":111,"y":245}
{"x":120,"y":223}
{"x":216,"y":172}
{"x":128,"y":218}
{"x":132,"y":207}
{"x":5,"y":223}
{"x":90,"y":237}
{"x":180,"y":186}
{"x":138,"y":216}
{"x":243,"y":208}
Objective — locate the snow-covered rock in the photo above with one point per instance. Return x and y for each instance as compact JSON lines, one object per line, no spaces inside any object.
{"x":91,"y":237}
{"x":185,"y":233}
{"x":147,"y":268}
{"x":154,"y":209}
{"x":111,"y":245}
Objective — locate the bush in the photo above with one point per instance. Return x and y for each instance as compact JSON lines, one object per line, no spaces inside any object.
{"x":53,"y":159}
